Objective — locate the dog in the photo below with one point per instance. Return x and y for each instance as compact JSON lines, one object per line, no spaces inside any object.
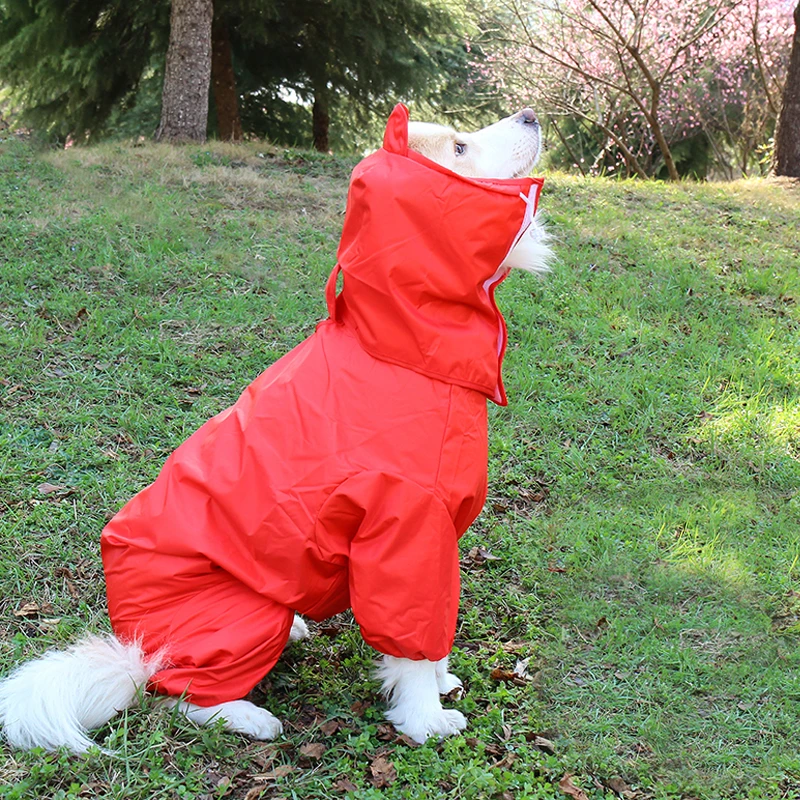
{"x":186,"y":595}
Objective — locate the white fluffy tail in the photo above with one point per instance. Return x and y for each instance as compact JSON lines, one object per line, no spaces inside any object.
{"x":54,"y":700}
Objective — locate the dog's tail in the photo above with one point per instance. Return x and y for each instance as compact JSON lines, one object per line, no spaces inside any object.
{"x":54,"y":700}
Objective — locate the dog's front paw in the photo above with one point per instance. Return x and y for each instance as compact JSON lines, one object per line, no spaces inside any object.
{"x":448,"y":683}
{"x":444,"y":722}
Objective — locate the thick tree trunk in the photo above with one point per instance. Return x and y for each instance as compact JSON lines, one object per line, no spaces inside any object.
{"x":787,"y":139}
{"x":223,"y":80}
{"x":321,"y":121}
{"x":184,"y":102}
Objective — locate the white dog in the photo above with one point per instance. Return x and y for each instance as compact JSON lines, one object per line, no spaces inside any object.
{"x":53,"y":701}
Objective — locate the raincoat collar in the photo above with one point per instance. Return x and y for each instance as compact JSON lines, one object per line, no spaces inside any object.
{"x":421,"y":250}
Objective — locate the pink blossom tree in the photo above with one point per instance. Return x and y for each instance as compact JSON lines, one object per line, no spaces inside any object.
{"x":645,"y":75}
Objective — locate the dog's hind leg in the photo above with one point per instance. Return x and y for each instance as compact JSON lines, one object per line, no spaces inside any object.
{"x":240,"y":716}
{"x":446,"y":682}
{"x":414,"y":706}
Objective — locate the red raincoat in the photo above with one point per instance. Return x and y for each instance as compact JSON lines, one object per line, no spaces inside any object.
{"x":344,"y":474}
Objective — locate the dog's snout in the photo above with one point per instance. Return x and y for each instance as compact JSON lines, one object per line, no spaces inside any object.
{"x":528,"y":117}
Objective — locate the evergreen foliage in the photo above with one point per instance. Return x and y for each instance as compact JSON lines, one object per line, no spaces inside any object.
{"x":71,"y":63}
{"x":92,"y":68}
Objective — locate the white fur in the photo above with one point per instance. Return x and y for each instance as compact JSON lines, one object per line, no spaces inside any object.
{"x":446,"y":682}
{"x":412,"y":688}
{"x":299,"y":629}
{"x":532,"y":252}
{"x":240,"y":716}
{"x":507,"y":149}
{"x":55,"y":700}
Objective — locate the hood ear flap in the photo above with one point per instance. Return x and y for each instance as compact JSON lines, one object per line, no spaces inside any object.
{"x":395,"y":139}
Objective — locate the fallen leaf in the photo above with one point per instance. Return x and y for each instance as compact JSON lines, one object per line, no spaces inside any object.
{"x":542,"y":742}
{"x":331,"y":726}
{"x":386,"y":732}
{"x":552,"y":567}
{"x":279,"y":772}
{"x":34,"y":609}
{"x":508,"y":676}
{"x":264,"y":757}
{"x":477,"y":557}
{"x":359,"y":707}
{"x":50,"y":488}
{"x":568,"y":787}
{"x":344,"y":785}
{"x":383,"y":773}
{"x":506,"y":761}
{"x":313,"y":750}
{"x":63,"y":572}
{"x":254,"y":793}
{"x":618,"y":786}
{"x":521,"y":669}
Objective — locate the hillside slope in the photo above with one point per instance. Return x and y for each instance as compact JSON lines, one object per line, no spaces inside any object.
{"x":641,"y":542}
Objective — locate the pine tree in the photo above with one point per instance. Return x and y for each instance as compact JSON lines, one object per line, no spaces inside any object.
{"x":71,"y":64}
{"x":187,"y":75}
{"x":328,"y":52}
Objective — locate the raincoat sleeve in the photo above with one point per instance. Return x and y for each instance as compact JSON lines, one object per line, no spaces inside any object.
{"x":403,"y":563}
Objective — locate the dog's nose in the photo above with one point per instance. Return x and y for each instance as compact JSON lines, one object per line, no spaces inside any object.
{"x":527,"y":116}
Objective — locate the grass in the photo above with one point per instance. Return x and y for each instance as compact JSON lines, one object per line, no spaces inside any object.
{"x":644,"y":511}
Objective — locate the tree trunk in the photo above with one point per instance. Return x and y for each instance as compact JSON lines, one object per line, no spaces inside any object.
{"x":787,"y":138}
{"x":223,"y":80}
{"x":184,"y":102}
{"x":320,"y":121}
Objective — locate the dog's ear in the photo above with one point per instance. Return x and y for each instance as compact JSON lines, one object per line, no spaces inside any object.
{"x":435,"y":142}
{"x":395,"y":137}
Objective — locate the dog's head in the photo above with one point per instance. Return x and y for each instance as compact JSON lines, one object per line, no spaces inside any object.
{"x":507,"y":149}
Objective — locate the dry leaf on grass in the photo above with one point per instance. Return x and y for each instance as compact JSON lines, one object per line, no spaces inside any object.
{"x":34,"y":610}
{"x":569,"y":788}
{"x":344,"y":785}
{"x":50,"y":488}
{"x":331,"y":726}
{"x":63,"y":572}
{"x":383,"y":773}
{"x":279,"y":772}
{"x":518,"y":676}
{"x":618,"y":786}
{"x":542,"y":742}
{"x":313,"y":750}
{"x":477,"y":557}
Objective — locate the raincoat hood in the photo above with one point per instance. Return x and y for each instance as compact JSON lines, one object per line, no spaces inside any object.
{"x":421,"y":250}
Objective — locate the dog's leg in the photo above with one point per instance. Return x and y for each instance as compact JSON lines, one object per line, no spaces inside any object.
{"x":414,"y":705}
{"x":446,"y":682}
{"x":299,"y":629}
{"x":240,"y":716}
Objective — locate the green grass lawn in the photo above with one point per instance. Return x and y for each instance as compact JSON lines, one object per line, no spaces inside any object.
{"x":643,"y":522}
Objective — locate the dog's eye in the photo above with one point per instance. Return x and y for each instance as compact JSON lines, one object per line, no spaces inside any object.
{"x":460,"y":149}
